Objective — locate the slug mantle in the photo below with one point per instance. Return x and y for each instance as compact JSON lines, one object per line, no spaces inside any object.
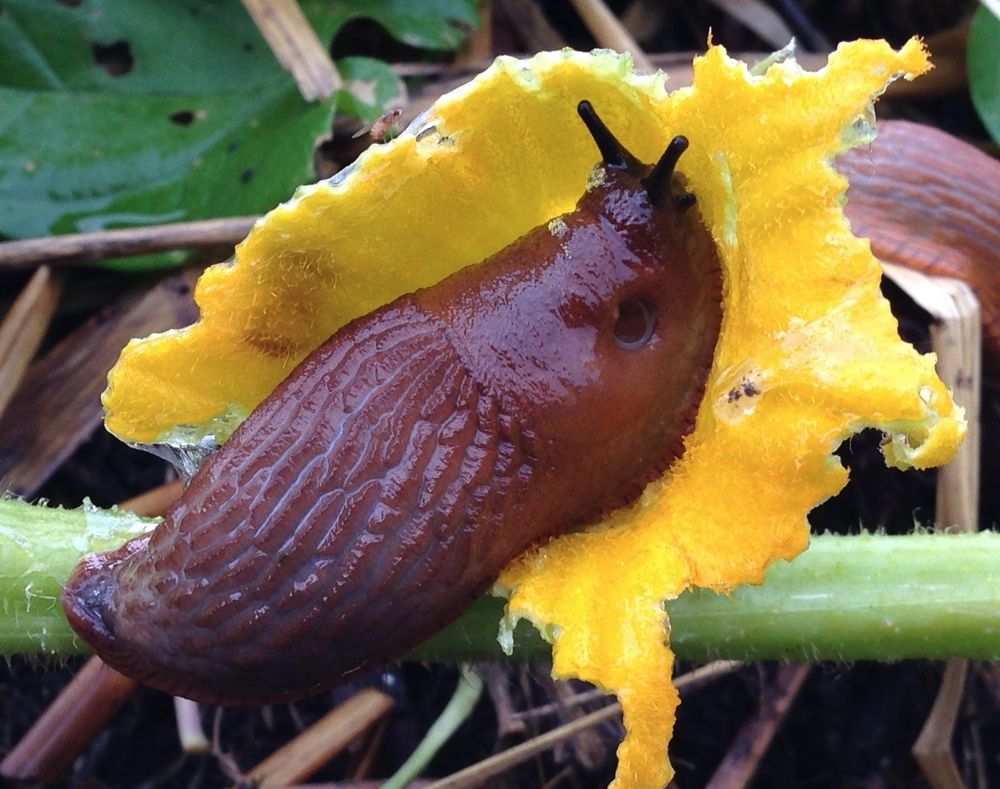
{"x":808,"y":352}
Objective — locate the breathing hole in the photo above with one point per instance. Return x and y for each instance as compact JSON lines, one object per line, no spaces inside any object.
{"x":635,"y":324}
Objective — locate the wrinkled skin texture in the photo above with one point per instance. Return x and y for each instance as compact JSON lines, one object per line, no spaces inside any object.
{"x":386,"y":483}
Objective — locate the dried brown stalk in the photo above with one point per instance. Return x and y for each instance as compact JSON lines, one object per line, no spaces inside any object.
{"x":296,"y":46}
{"x":478,"y":47}
{"x":58,"y":404}
{"x":23,"y":328}
{"x":68,"y":725}
{"x":479,"y":773}
{"x":156,"y":501}
{"x":104,"y":244}
{"x":322,"y":741}
{"x":608,"y":31}
{"x":533,"y":29}
{"x":743,"y":757}
{"x":956,"y":337}
{"x":932,"y":750}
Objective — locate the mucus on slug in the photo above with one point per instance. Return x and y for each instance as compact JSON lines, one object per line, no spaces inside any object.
{"x":409,"y":458}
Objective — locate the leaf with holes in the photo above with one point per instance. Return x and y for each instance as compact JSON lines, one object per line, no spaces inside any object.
{"x":370,"y":88}
{"x":123,"y":114}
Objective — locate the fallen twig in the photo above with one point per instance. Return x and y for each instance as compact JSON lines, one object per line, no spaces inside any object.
{"x":296,"y":46}
{"x":477,"y":774}
{"x":326,"y":738}
{"x":78,"y":247}
{"x":23,"y":328}
{"x":743,"y":757}
{"x":57,"y":406}
{"x":608,"y":31}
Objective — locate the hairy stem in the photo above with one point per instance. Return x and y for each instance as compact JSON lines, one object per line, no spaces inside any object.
{"x":39,"y":546}
{"x":846,"y":598}
{"x":865,"y":597}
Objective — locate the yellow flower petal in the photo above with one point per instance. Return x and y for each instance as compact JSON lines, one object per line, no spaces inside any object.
{"x":808,"y":353}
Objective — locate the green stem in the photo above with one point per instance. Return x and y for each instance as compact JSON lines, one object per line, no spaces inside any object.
{"x":39,"y":546}
{"x":463,"y":700}
{"x":846,"y":598}
{"x":867,"y":597}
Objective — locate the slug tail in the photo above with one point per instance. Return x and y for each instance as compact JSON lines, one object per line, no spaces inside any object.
{"x":88,"y":600}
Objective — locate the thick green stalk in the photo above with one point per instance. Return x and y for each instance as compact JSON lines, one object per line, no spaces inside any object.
{"x":846,"y":598}
{"x":867,"y":597}
{"x":38,"y":548}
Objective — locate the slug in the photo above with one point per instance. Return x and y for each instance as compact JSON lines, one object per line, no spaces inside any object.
{"x":931,"y":202}
{"x":388,"y":480}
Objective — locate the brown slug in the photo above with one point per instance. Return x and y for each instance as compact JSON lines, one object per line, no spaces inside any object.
{"x":931,"y":202}
{"x":388,"y":480}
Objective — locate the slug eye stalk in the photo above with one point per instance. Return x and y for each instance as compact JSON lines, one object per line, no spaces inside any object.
{"x":616,"y":155}
{"x":613,"y":153}
{"x":657,"y":183}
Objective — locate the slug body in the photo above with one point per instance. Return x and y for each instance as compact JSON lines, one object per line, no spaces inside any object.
{"x":389,"y":479}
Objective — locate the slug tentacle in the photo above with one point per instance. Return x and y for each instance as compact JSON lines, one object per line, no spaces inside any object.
{"x":613,"y":153}
{"x":657,"y":183}
{"x":390,"y":478}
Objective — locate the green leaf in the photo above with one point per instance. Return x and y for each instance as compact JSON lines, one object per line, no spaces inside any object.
{"x":430,"y":24}
{"x":983,"y":66}
{"x":369,"y":87}
{"x":129,"y":113}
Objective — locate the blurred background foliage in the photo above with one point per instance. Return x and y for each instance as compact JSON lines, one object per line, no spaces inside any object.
{"x":119,"y":114}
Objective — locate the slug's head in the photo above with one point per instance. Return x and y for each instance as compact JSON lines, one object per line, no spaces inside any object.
{"x":598,"y":328}
{"x":643,"y":273}
{"x":662,"y":188}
